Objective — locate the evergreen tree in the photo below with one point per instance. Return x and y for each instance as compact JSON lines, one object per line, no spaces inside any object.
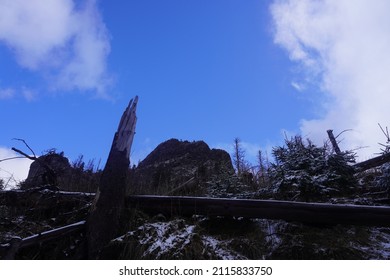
{"x":303,"y":171}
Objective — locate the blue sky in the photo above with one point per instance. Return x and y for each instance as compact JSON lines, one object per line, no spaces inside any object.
{"x":203,"y":70}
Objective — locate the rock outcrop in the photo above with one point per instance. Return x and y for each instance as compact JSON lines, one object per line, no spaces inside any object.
{"x":39,"y":175}
{"x":179,"y":165}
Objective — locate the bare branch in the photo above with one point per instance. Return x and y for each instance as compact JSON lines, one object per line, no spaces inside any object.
{"x":51,"y":173}
{"x":25,"y":143}
{"x":386,"y":134}
{"x":343,"y":132}
{"x":24,"y":154}
{"x":5,"y":159}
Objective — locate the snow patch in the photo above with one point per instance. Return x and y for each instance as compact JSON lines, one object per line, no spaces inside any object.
{"x":175,"y":240}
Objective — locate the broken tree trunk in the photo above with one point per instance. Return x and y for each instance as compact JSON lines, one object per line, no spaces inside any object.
{"x":104,"y":219}
{"x":333,"y":141}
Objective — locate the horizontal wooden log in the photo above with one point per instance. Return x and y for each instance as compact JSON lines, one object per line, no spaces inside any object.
{"x":314,"y":213}
{"x":266,"y":209}
{"x":52,"y":234}
{"x":14,"y":245}
{"x":46,"y":198}
{"x":373,"y":162}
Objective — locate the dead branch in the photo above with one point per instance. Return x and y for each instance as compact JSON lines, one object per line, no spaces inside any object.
{"x":24,"y":154}
{"x":345,"y":130}
{"x":50,"y":172}
{"x":11,"y":158}
{"x":387,"y":135}
{"x":25,"y":143}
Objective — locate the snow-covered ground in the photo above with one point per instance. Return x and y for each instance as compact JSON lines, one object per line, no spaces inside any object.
{"x":177,"y":239}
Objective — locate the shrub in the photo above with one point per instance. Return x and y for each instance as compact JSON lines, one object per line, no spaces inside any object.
{"x":303,"y":171}
{"x":383,"y":181}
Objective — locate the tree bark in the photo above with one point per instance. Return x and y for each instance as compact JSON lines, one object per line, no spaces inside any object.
{"x":104,"y":219}
{"x":18,"y":243}
{"x":373,"y":162}
{"x":333,"y":141}
{"x":313,"y":213}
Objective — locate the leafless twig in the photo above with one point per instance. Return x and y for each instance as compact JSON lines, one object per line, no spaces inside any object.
{"x":387,"y":145}
{"x":25,"y":143}
{"x":5,"y":159}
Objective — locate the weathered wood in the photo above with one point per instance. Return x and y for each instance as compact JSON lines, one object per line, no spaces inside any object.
{"x":314,"y":213}
{"x":104,"y":219}
{"x":44,"y":199}
{"x":333,"y":141}
{"x":18,"y":243}
{"x":249,"y":208}
{"x":373,"y":162}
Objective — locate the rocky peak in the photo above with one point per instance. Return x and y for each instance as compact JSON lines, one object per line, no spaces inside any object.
{"x":38,"y":174}
{"x":174,"y":162}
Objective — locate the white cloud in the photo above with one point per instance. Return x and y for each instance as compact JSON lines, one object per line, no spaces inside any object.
{"x":298,"y":86}
{"x":15,"y":170}
{"x":28,"y":94}
{"x":9,"y":93}
{"x":6,"y":93}
{"x":343,"y":45}
{"x":54,"y":37}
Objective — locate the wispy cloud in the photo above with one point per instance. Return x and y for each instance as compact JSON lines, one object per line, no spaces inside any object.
{"x":343,"y":47}
{"x":28,"y":94}
{"x":9,"y":93}
{"x":6,"y":93}
{"x":298,"y":86}
{"x":65,"y":42}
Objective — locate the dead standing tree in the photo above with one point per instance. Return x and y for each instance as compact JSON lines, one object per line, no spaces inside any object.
{"x":104,"y":219}
{"x":238,"y":156}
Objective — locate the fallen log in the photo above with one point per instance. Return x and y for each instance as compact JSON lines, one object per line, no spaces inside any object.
{"x":35,"y":200}
{"x":16,"y":244}
{"x":321,"y":213}
{"x":313,"y":213}
{"x":373,"y":162}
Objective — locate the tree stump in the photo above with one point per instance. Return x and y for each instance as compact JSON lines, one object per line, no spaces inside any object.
{"x":104,"y":219}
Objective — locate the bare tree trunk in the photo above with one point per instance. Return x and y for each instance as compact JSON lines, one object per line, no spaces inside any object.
{"x":333,"y":141}
{"x":238,"y":156}
{"x":104,"y":220}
